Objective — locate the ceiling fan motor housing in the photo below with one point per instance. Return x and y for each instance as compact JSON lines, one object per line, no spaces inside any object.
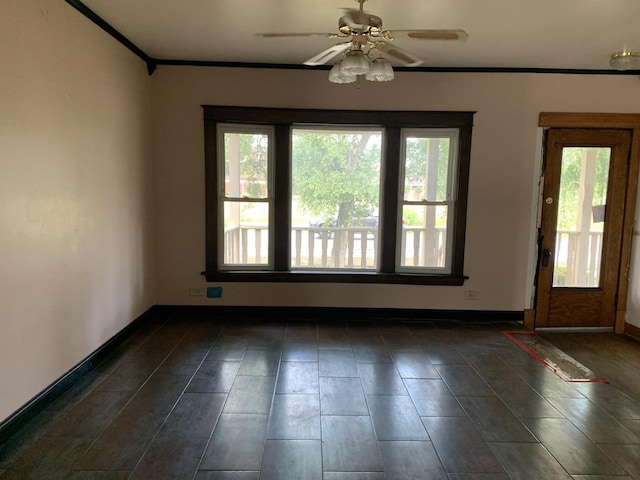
{"x":354,"y":23}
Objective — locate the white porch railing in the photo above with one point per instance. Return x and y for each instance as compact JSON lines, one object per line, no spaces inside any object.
{"x":577,"y":263}
{"x":313,"y":247}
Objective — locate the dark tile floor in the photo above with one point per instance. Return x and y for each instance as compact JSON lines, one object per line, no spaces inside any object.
{"x":204,"y":399}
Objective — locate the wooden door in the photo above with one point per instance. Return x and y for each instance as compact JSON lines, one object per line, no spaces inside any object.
{"x":583,"y":208}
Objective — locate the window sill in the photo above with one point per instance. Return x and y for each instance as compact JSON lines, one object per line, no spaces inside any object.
{"x":336,"y":277}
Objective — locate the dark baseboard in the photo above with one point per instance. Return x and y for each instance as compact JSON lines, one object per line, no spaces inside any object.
{"x":37,"y":404}
{"x":632,"y":331}
{"x":346,"y":313}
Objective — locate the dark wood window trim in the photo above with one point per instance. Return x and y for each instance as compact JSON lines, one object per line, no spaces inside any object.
{"x":392,"y":122}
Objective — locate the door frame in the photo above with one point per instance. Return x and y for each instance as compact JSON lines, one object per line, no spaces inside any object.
{"x":622,"y":121}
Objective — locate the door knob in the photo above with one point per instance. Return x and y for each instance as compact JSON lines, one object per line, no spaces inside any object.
{"x":546,"y":253}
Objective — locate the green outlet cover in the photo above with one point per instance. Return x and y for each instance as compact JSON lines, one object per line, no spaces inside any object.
{"x":214,"y":292}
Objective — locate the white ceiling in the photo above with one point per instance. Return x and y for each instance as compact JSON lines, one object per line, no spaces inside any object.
{"x":546,"y":34}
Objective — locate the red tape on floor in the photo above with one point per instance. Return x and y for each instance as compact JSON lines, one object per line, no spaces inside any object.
{"x":545,"y":356}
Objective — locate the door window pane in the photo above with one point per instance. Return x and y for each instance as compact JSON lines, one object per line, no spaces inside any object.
{"x":581,"y":216}
{"x":335,"y":198}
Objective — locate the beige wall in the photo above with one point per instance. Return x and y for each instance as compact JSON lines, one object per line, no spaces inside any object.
{"x":504,"y":167}
{"x":75,"y":152}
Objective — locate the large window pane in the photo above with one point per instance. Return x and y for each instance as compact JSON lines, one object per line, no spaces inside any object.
{"x":336,"y":198}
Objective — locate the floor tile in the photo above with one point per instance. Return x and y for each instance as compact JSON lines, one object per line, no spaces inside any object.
{"x":205,"y":475}
{"x":157,"y":396}
{"x":250,"y":394}
{"x":195,"y":416}
{"x":348,"y":444}
{"x":575,"y":452}
{"x":601,"y":477}
{"x":453,"y":435}
{"x":395,"y":418}
{"x":411,"y":461}
{"x":122,"y":444}
{"x":478,"y":476}
{"x":545,"y":382}
{"x":356,"y":400}
{"x":433,"y":398}
{"x":301,"y":329}
{"x":260,"y":361}
{"x":268,"y":334}
{"x":529,"y":461}
{"x":381,"y":379}
{"x":298,"y":377}
{"x":237,"y":443}
{"x":21,"y":441}
{"x":371,"y":352}
{"x":337,"y":363}
{"x":228,"y":349}
{"x":90,"y":416}
{"x":494,"y":420}
{"x":354,"y":476}
{"x":99,"y":476}
{"x":184,"y":360}
{"x":50,"y":458}
{"x":78,"y":391}
{"x":593,"y":421}
{"x":214,"y":377}
{"x":613,"y":401}
{"x":628,"y":456}
{"x":170,"y":459}
{"x":442,"y":354}
{"x":632,"y":425}
{"x":414,"y":365}
{"x":300,"y":350}
{"x":342,"y":396}
{"x":463,"y":381}
{"x":294,"y":417}
{"x":333,"y":335}
{"x":292,"y":460}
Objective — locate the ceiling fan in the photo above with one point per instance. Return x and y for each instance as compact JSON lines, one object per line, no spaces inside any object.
{"x":368,"y":48}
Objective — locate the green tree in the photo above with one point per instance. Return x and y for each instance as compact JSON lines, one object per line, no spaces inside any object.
{"x":336,"y":176}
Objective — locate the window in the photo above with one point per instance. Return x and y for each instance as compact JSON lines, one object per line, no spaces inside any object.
{"x":427,"y":200}
{"x":245,"y":196}
{"x":336,"y":196}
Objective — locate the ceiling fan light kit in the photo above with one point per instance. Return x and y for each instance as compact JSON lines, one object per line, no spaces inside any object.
{"x":368,"y":49}
{"x":336,"y":75}
{"x":355,"y":63}
{"x":625,"y":60}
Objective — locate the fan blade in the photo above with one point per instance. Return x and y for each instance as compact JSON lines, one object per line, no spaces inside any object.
{"x":427,"y":34}
{"x":326,"y":55}
{"x":408,"y":59}
{"x":289,"y":35}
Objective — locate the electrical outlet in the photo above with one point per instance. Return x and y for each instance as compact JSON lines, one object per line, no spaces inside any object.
{"x":196,"y":291}
{"x":471,"y":295}
{"x":214,"y":292}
